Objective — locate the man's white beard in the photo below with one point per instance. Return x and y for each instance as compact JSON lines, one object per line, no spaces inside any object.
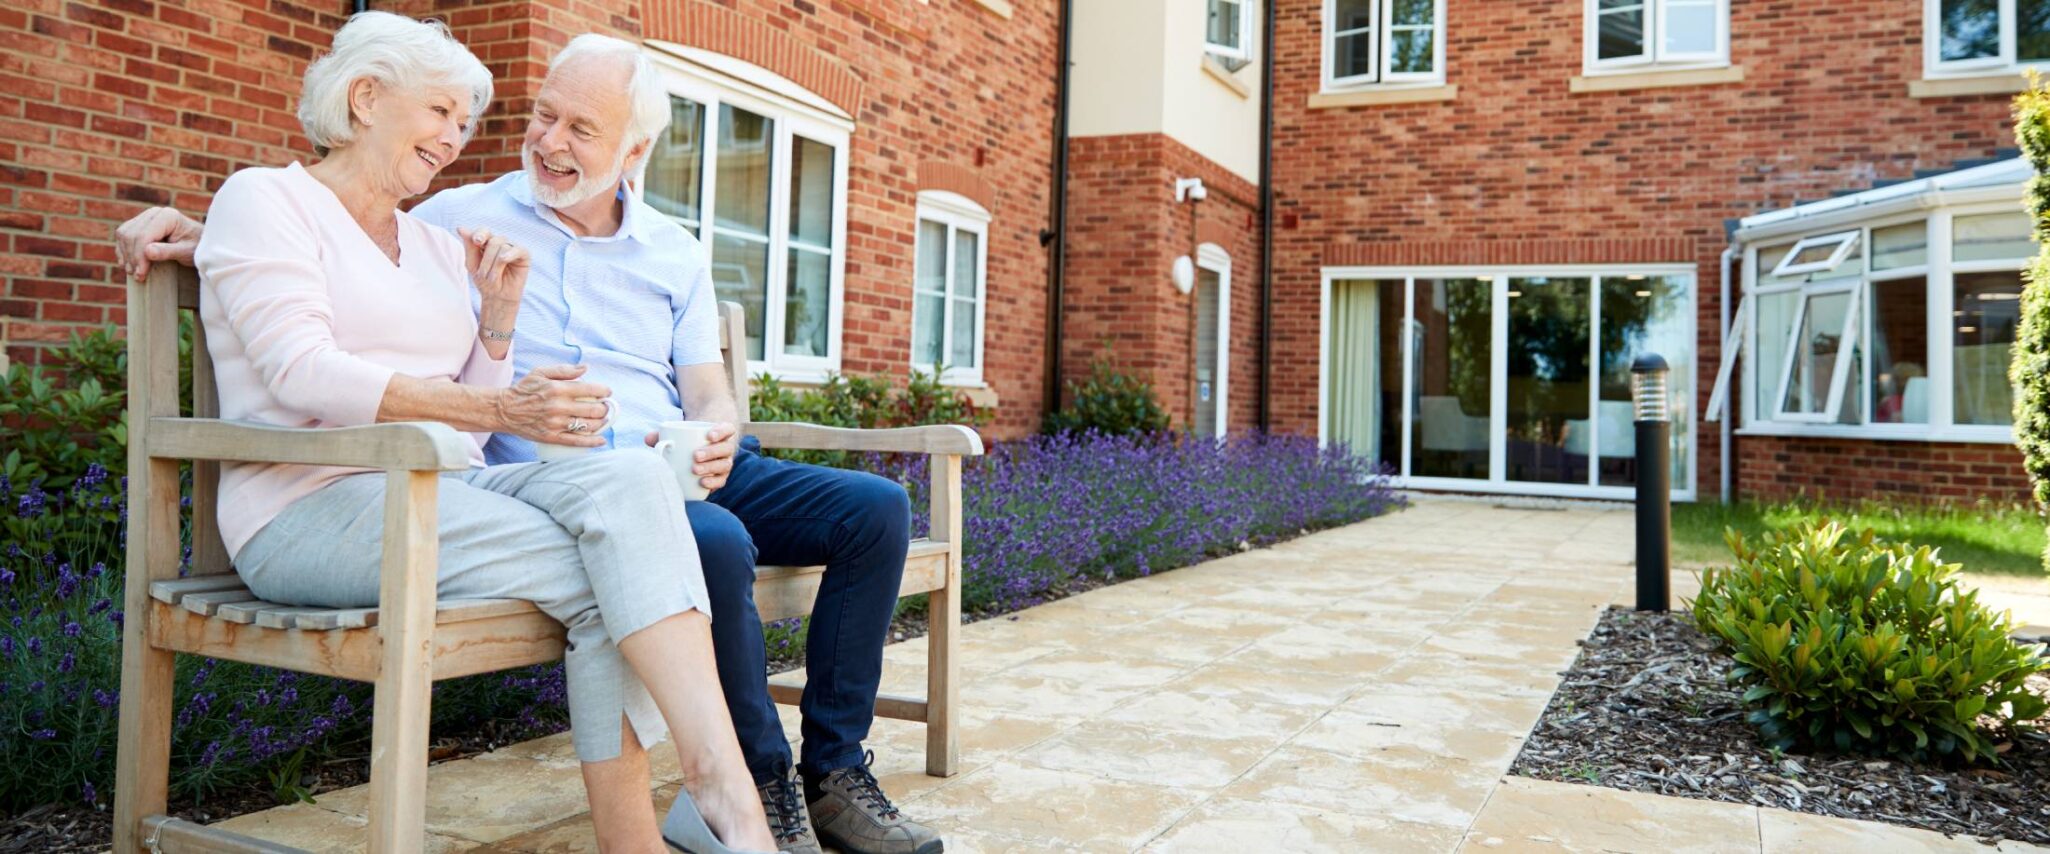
{"x":588,"y":185}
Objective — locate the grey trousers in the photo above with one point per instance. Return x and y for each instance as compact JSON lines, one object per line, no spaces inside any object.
{"x":599,"y":542}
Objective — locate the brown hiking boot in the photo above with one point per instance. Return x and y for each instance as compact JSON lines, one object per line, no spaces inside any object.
{"x":783,"y":802}
{"x":853,"y":815}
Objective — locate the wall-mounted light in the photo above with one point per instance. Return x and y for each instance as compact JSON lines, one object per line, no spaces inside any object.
{"x":1184,"y":274}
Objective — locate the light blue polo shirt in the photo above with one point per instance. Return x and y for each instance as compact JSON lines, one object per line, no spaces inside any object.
{"x":631,"y":306}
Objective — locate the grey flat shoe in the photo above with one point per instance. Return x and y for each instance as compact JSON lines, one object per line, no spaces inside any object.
{"x":685,"y":829}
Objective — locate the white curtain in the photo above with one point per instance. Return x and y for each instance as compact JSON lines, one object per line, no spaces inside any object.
{"x":1355,"y":370}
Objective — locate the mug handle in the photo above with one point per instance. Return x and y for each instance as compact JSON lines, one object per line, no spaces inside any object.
{"x":662,"y":449}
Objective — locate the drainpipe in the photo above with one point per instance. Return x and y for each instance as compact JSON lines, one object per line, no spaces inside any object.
{"x":1729,"y":400}
{"x":1055,"y":236}
{"x":1266,"y":415}
{"x":362,"y":5}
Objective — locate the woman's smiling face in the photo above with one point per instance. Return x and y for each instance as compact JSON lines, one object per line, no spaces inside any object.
{"x":417,"y":132}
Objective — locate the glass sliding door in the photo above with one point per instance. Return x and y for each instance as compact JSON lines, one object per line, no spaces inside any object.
{"x":1452,"y":372}
{"x":1366,"y":369}
{"x":1642,"y":314}
{"x":1508,"y":380}
{"x":1548,"y":397}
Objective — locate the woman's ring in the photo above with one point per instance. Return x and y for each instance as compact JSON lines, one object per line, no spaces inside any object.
{"x":577,"y":425}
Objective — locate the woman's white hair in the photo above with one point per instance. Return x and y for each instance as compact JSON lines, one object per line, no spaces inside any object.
{"x":647,"y":96}
{"x":397,"y":52}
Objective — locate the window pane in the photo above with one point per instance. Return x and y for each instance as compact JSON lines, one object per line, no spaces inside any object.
{"x":1353,"y":15}
{"x":744,"y":191}
{"x":961,"y":350}
{"x":811,"y":193}
{"x":1641,"y":314}
{"x":1690,"y":26}
{"x":1548,"y":378}
{"x":1411,"y":51}
{"x":1992,"y":237}
{"x":1224,"y":23}
{"x":740,"y":273}
{"x":1620,"y":33}
{"x":2032,"y":30}
{"x":1775,"y":323}
{"x":1815,"y":353}
{"x":1899,"y":344}
{"x":1353,"y":56}
{"x":1454,"y":383}
{"x":808,"y":303}
{"x":1365,"y":388}
{"x":676,"y":165}
{"x":1987,"y":308}
{"x":1905,"y":245}
{"x":1971,"y":29}
{"x":1203,"y":397}
{"x":930,"y":283}
{"x":1414,"y":13}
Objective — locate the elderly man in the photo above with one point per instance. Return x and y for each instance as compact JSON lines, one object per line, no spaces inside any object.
{"x":620,"y":288}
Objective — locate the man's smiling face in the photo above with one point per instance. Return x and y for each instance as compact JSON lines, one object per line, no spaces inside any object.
{"x":576,"y":146}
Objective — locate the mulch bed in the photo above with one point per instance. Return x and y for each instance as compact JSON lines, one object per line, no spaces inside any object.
{"x":1645,"y":708}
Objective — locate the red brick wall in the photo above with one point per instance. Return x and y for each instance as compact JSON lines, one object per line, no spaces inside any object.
{"x":109,"y":106}
{"x":1774,"y":467}
{"x":114,"y":105}
{"x":1125,"y":230}
{"x":1519,"y":159}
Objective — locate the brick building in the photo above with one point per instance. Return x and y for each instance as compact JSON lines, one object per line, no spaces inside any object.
{"x":1483,"y":209}
{"x":1515,"y":197}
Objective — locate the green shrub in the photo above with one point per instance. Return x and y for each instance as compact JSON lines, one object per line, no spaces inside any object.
{"x":1110,"y":402}
{"x":1850,"y":643}
{"x":860,"y":402}
{"x":64,"y":416}
{"x":2029,"y":370}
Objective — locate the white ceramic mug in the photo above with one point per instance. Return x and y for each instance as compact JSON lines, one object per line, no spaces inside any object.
{"x":678,"y":443}
{"x":549,"y":452}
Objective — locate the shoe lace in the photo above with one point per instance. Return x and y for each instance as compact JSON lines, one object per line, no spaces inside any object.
{"x":863,"y":787}
{"x":783,"y":800}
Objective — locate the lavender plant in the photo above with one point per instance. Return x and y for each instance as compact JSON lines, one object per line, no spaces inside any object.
{"x":1041,"y":515}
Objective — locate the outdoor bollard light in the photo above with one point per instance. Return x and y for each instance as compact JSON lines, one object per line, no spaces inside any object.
{"x":1654,"y":483}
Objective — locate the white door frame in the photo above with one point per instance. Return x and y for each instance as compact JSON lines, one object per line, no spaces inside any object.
{"x":1212,"y":257}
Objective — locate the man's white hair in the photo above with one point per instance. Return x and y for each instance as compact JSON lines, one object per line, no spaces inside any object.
{"x":648,"y":99}
{"x":400,"y":54}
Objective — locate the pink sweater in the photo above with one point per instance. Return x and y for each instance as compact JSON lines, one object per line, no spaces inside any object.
{"x":307,"y":321}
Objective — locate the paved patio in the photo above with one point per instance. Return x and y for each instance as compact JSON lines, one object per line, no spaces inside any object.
{"x":1363,"y":689}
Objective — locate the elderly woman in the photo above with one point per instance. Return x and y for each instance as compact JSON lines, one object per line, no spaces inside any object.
{"x":327,"y":306}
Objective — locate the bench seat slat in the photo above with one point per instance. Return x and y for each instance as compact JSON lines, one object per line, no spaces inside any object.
{"x":171,"y":591}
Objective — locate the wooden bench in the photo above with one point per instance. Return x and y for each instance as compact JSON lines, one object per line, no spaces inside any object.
{"x":409,"y":640}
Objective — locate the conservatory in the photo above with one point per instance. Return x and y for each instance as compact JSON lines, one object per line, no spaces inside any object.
{"x":1888,"y":314}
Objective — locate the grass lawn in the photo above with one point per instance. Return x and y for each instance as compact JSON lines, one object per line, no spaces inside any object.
{"x":1989,"y":539}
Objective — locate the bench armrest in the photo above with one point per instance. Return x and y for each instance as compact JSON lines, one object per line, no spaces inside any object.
{"x":399,"y":446}
{"x":934,"y":439}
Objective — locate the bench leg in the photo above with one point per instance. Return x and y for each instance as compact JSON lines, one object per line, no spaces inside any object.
{"x":942,"y":688}
{"x":142,"y":770}
{"x":398,"y":732}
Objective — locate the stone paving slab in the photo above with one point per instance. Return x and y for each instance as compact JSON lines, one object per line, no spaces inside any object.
{"x":1360,"y":689}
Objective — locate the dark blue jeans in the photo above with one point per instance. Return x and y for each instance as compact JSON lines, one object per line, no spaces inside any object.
{"x":782,"y":513}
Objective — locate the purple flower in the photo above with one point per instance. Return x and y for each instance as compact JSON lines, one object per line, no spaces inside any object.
{"x":43,"y":734}
{"x":34,"y":645}
{"x":92,"y":796}
{"x":72,"y":629}
{"x":69,"y":661}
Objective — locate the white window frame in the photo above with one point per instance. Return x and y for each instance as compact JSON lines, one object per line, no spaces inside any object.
{"x":1212,"y":257}
{"x":1845,"y":241}
{"x":1497,"y":482}
{"x":1847,"y":351}
{"x":958,"y":213}
{"x":1654,"y":57}
{"x":1379,"y":77}
{"x":1244,"y":51}
{"x":794,"y":112}
{"x":2002,"y":63}
{"x":1761,"y":418}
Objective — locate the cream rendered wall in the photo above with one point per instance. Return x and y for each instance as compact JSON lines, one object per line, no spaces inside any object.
{"x":1201,"y":112}
{"x":1116,"y":85}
